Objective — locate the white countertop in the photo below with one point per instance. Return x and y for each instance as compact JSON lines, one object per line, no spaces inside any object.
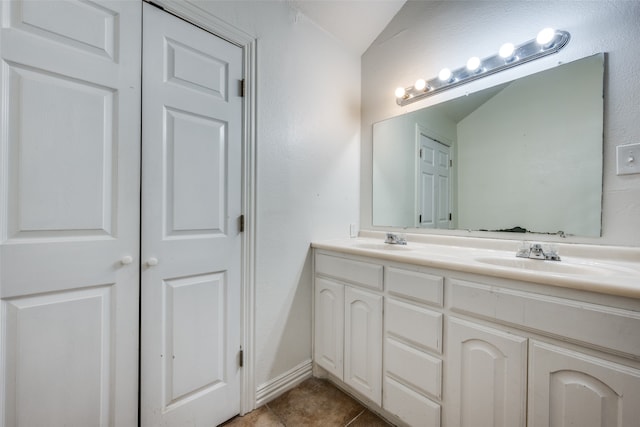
{"x":603,"y":269}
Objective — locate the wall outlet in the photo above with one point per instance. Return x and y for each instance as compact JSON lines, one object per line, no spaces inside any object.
{"x":353,"y":230}
{"x":628,"y":159}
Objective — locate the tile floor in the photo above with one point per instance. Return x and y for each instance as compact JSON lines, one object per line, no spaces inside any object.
{"x":314,"y":403}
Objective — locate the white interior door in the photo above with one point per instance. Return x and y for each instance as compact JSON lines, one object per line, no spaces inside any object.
{"x":433,"y":185}
{"x":69,"y":212}
{"x":191,"y":244}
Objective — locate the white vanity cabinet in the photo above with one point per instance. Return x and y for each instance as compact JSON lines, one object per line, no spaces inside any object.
{"x":363,"y":342}
{"x":348,"y":322}
{"x":413,"y":324}
{"x":486,"y":376}
{"x":435,"y":347}
{"x":329,"y":326}
{"x":498,"y":377}
{"x":569,"y":388}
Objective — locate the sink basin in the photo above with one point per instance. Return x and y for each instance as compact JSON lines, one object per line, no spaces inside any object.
{"x":381,"y":247}
{"x":561,"y":267}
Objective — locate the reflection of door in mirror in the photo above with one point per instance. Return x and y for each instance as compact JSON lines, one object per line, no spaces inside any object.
{"x":433,"y":184}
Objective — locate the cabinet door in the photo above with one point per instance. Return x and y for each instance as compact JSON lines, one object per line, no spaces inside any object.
{"x":485,"y":381}
{"x":363,"y":343}
{"x":567,"y":388}
{"x":329,"y":325}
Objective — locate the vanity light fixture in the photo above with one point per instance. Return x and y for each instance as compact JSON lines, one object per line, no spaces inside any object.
{"x":547,"y":42}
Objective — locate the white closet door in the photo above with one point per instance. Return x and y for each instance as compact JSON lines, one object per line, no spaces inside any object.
{"x":191,"y":242}
{"x":69,"y":212}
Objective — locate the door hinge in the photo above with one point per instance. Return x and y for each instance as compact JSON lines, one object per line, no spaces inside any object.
{"x":241,"y":223}
{"x":242,"y":87}
{"x":241,"y":358}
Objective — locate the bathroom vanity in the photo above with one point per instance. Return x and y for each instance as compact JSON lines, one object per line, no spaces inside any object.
{"x":452,"y":332}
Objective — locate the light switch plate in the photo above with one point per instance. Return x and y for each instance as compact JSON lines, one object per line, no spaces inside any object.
{"x":628,"y":159}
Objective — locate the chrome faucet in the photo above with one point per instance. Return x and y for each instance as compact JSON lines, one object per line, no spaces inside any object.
{"x":536,"y":251}
{"x":395,"y":239}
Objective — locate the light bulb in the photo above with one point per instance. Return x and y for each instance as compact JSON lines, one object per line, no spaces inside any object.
{"x":506,"y":50}
{"x":420,"y":84}
{"x":473,"y":63}
{"x":545,"y":36}
{"x":400,"y":92}
{"x":444,"y":74}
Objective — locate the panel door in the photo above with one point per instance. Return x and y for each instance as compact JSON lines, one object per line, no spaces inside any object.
{"x":567,"y":388}
{"x":363,"y":342}
{"x":69,"y":212}
{"x":486,"y":377}
{"x":191,"y":244}
{"x":329,"y":325}
{"x":434,"y":184}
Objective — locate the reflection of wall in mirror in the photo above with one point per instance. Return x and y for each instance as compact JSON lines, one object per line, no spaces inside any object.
{"x":395,"y":164}
{"x":548,"y":188}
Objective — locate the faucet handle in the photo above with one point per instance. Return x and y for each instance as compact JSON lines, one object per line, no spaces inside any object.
{"x":536,"y":251}
{"x":395,"y":239}
{"x":523,"y":250}
{"x":551,"y":253}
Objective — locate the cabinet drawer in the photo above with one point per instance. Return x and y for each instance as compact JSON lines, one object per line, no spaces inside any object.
{"x":413,"y":368}
{"x":415,"y":325}
{"x":605,"y":327}
{"x":415,"y":285}
{"x":357,"y":272}
{"x":411,"y":407}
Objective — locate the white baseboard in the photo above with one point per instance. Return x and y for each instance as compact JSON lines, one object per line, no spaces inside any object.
{"x":275,"y":387}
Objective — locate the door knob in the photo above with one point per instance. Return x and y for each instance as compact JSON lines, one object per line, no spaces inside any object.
{"x":152,"y":261}
{"x":126,"y":260}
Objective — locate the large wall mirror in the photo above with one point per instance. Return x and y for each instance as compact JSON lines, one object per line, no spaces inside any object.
{"x":522,"y":156}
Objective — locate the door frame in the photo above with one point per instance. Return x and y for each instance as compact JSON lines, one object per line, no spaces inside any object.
{"x":191,"y":13}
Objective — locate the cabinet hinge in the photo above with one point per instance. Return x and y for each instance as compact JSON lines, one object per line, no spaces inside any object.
{"x":450,"y":163}
{"x":241,"y":223}
{"x":242,"y":87}
{"x":241,"y":358}
{"x":450,"y":216}
{"x":420,"y":153}
{"x":420,"y":219}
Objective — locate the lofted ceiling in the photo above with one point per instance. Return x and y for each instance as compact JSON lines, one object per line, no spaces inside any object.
{"x":356,"y":23}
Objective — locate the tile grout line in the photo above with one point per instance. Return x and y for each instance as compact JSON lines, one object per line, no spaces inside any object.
{"x":355,"y":418}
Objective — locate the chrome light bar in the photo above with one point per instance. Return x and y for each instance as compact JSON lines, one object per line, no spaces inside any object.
{"x":547,"y":42}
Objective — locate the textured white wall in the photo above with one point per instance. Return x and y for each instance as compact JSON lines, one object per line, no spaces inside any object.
{"x":308,"y":136}
{"x":427,"y":36}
